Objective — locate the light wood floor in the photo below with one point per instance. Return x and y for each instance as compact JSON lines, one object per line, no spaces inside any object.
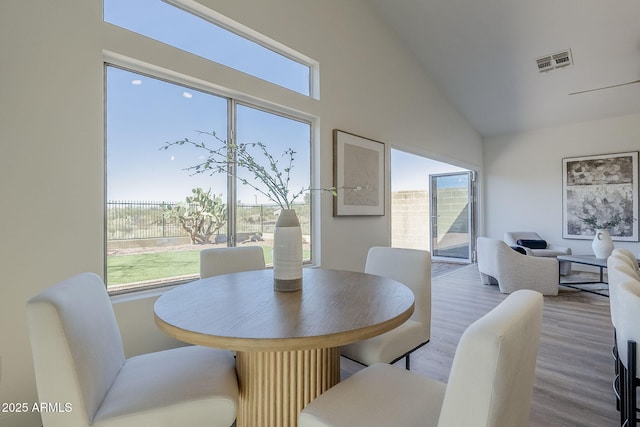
{"x":574,"y":369}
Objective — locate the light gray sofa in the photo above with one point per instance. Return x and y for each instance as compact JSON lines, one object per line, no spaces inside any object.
{"x":511,"y":238}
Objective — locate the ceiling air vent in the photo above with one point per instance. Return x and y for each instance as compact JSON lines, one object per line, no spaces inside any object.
{"x":562,"y":59}
{"x":545,"y":64}
{"x":555,"y":60}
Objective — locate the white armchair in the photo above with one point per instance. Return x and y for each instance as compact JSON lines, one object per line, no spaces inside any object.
{"x":515,"y":238}
{"x":510,"y":270}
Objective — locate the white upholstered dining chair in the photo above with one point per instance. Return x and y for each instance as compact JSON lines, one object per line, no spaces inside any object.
{"x":490,"y":384}
{"x":628,"y":337}
{"x":412,"y":268}
{"x":216,"y":261}
{"x":79,"y":360}
{"x":622,"y":268}
{"x":619,"y":270}
{"x":629,"y":257}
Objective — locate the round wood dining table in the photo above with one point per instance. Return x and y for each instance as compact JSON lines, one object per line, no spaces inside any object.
{"x":286,"y":343}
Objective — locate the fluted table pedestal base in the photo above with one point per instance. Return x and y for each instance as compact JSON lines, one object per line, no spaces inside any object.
{"x":276,"y":386}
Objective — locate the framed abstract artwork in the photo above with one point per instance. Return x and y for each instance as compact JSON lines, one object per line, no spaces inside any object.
{"x":358,"y":175}
{"x":600,"y":192}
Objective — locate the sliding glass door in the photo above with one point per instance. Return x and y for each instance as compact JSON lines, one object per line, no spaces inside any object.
{"x":452,"y":210}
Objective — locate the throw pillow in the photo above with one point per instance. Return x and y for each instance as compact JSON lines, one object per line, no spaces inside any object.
{"x":519,"y":249}
{"x":532,"y":244}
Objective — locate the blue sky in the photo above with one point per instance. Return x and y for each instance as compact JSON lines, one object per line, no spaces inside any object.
{"x":411,"y":172}
{"x":143,"y":113}
{"x":175,"y":27}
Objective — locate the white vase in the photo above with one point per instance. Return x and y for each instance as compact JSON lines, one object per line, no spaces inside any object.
{"x":602,"y":244}
{"x":287,"y":252}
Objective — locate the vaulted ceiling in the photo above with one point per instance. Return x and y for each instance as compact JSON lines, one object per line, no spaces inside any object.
{"x":482,"y":54}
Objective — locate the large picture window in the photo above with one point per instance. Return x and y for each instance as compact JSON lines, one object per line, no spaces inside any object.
{"x":159,"y":213}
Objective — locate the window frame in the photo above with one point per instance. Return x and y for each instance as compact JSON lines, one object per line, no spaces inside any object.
{"x":217,"y":19}
{"x":233,"y":100}
{"x":254,"y":36}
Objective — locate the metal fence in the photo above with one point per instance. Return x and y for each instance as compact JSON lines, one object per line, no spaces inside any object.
{"x":128,"y":220}
{"x":140,"y":220}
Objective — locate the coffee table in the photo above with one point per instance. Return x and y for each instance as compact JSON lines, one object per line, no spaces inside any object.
{"x":286,"y":343}
{"x":591,"y":260}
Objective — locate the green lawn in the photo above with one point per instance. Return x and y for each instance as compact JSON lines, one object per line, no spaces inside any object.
{"x":137,"y":268}
{"x":141,"y":267}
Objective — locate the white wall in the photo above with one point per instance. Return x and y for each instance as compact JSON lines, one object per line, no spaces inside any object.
{"x":523,"y":175}
{"x":51,"y":128}
{"x":50,"y":168}
{"x":370,"y":86}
